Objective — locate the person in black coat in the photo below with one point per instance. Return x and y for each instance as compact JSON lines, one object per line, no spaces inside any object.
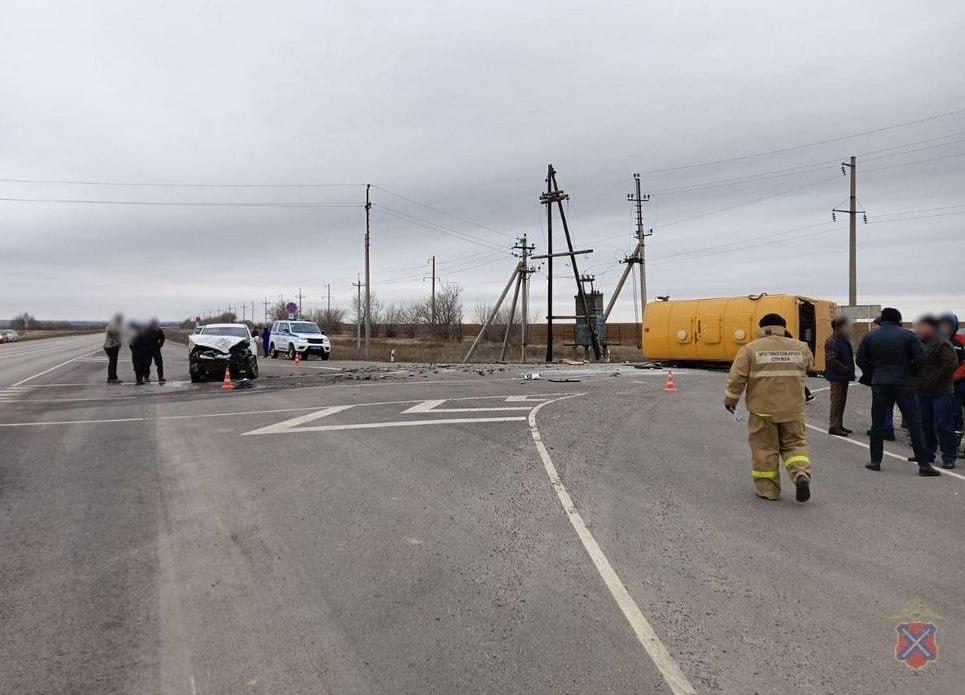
{"x":839,"y":371}
{"x":893,"y":356}
{"x":155,"y":343}
{"x":141,"y":352}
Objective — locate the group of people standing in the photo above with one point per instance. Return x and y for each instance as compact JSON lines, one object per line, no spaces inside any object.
{"x":145,"y":341}
{"x":922,"y":372}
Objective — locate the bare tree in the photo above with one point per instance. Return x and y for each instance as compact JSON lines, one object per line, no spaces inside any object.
{"x":449,"y":312}
{"x":23,"y":322}
{"x":330,"y":320}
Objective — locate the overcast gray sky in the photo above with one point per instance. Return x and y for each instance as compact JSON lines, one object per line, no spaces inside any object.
{"x":460,"y":106}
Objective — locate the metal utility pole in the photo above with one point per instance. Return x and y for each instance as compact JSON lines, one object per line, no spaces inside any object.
{"x":368,"y":276}
{"x":328,"y":289}
{"x":358,"y":312}
{"x":852,"y":229}
{"x":266,"y":310}
{"x":556,"y":195}
{"x":433,"y":259}
{"x":299,"y":302}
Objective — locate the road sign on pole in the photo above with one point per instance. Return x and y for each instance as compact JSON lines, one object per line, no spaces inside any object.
{"x":292,"y":309}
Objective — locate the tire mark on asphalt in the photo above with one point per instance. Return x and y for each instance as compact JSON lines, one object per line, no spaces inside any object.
{"x":672,"y":675}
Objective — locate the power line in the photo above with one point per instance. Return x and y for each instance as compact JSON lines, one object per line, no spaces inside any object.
{"x":806,"y":145}
{"x":165,"y":184}
{"x":745,"y":244}
{"x":729,"y":207}
{"x":435,"y":226}
{"x":441,"y":211}
{"x":807,"y":168}
{"x":183,"y":203}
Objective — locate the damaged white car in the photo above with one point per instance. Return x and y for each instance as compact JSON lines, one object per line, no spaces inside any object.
{"x":219,"y":346}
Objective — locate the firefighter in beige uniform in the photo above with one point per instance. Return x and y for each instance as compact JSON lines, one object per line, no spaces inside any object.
{"x":773,"y":368}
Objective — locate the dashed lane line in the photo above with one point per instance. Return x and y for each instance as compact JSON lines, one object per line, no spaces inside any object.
{"x":672,"y":675}
{"x":943,"y":471}
{"x":56,"y":366}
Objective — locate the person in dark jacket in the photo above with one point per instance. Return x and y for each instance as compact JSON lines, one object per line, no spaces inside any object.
{"x":141,"y":352}
{"x":266,"y":339}
{"x":112,"y":346}
{"x":948,"y":324}
{"x":840,"y":372}
{"x":935,"y":392}
{"x":155,"y":342}
{"x":893,"y":356}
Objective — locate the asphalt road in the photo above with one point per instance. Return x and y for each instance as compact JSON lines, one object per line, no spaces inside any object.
{"x":408,"y":530}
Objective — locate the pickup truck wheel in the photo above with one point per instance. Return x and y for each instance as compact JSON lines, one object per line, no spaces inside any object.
{"x":291,"y":352}
{"x":272,"y":351}
{"x":252,"y":371}
{"x":325,"y":355}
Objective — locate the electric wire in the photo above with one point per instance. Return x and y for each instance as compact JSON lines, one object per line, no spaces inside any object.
{"x":807,"y":145}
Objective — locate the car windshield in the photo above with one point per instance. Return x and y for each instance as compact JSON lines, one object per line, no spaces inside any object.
{"x":233,"y":331}
{"x":305,"y":327}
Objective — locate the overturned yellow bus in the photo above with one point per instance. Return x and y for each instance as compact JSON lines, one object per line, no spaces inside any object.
{"x":713,"y":330}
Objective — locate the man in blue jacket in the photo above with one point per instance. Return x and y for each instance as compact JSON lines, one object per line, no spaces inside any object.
{"x":839,"y":370}
{"x":893,"y":356}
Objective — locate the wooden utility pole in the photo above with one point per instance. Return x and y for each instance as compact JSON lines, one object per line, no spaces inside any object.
{"x":266,"y":310}
{"x":368,"y":275}
{"x":299,"y":302}
{"x":328,"y":289}
{"x":358,"y":312}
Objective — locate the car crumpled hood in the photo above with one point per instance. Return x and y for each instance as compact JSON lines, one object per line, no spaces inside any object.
{"x":221,"y":343}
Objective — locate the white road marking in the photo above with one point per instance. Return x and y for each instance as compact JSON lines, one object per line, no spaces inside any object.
{"x":56,"y":366}
{"x":286,"y":425}
{"x":393,"y":423}
{"x":645,"y":633}
{"x":313,"y":408}
{"x":297,"y":424}
{"x":432,"y":406}
{"x":886,"y":452}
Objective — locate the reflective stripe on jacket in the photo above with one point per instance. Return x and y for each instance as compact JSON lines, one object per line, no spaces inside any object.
{"x":772,"y":370}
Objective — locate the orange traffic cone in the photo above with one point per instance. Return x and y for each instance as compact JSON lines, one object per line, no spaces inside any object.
{"x":671,"y":387}
{"x":226,"y":384}
{"x":298,"y":359}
